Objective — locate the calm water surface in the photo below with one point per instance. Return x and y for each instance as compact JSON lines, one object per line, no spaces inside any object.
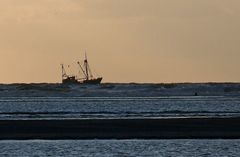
{"x":121,"y":148}
{"x":117,"y":107}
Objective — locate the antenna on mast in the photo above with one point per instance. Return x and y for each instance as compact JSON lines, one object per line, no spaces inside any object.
{"x":85,"y":54}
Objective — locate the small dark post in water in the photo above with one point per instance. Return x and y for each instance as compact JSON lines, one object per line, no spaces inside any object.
{"x":196,"y":94}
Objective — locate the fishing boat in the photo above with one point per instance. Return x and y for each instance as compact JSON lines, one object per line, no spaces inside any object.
{"x":86,"y":72}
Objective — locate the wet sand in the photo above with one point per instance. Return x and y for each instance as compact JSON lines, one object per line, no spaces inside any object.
{"x":173,"y":128}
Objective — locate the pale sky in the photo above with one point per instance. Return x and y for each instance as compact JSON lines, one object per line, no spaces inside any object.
{"x":126,"y":40}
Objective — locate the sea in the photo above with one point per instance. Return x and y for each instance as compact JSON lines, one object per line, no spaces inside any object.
{"x":117,"y":100}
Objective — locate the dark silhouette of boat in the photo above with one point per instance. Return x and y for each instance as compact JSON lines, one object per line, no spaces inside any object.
{"x":87,"y":78}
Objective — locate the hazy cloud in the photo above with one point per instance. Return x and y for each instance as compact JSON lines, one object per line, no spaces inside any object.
{"x":103,"y":9}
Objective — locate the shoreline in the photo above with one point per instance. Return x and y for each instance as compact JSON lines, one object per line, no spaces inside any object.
{"x":171,"y":128}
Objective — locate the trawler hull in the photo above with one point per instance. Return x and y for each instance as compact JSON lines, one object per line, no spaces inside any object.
{"x":93,"y":81}
{"x":90,"y":81}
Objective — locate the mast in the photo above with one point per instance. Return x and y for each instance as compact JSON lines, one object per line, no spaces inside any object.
{"x":86,"y":66}
{"x":63,"y":72}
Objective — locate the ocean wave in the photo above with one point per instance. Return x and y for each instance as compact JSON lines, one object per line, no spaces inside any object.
{"x":43,"y":87}
{"x":176,"y":112}
{"x":80,"y":115}
{"x":121,"y":90}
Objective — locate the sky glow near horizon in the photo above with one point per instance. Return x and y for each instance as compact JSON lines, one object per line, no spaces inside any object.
{"x":126,"y":40}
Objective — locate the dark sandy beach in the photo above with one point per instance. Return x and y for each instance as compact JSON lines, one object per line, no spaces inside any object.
{"x":174,"y":128}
